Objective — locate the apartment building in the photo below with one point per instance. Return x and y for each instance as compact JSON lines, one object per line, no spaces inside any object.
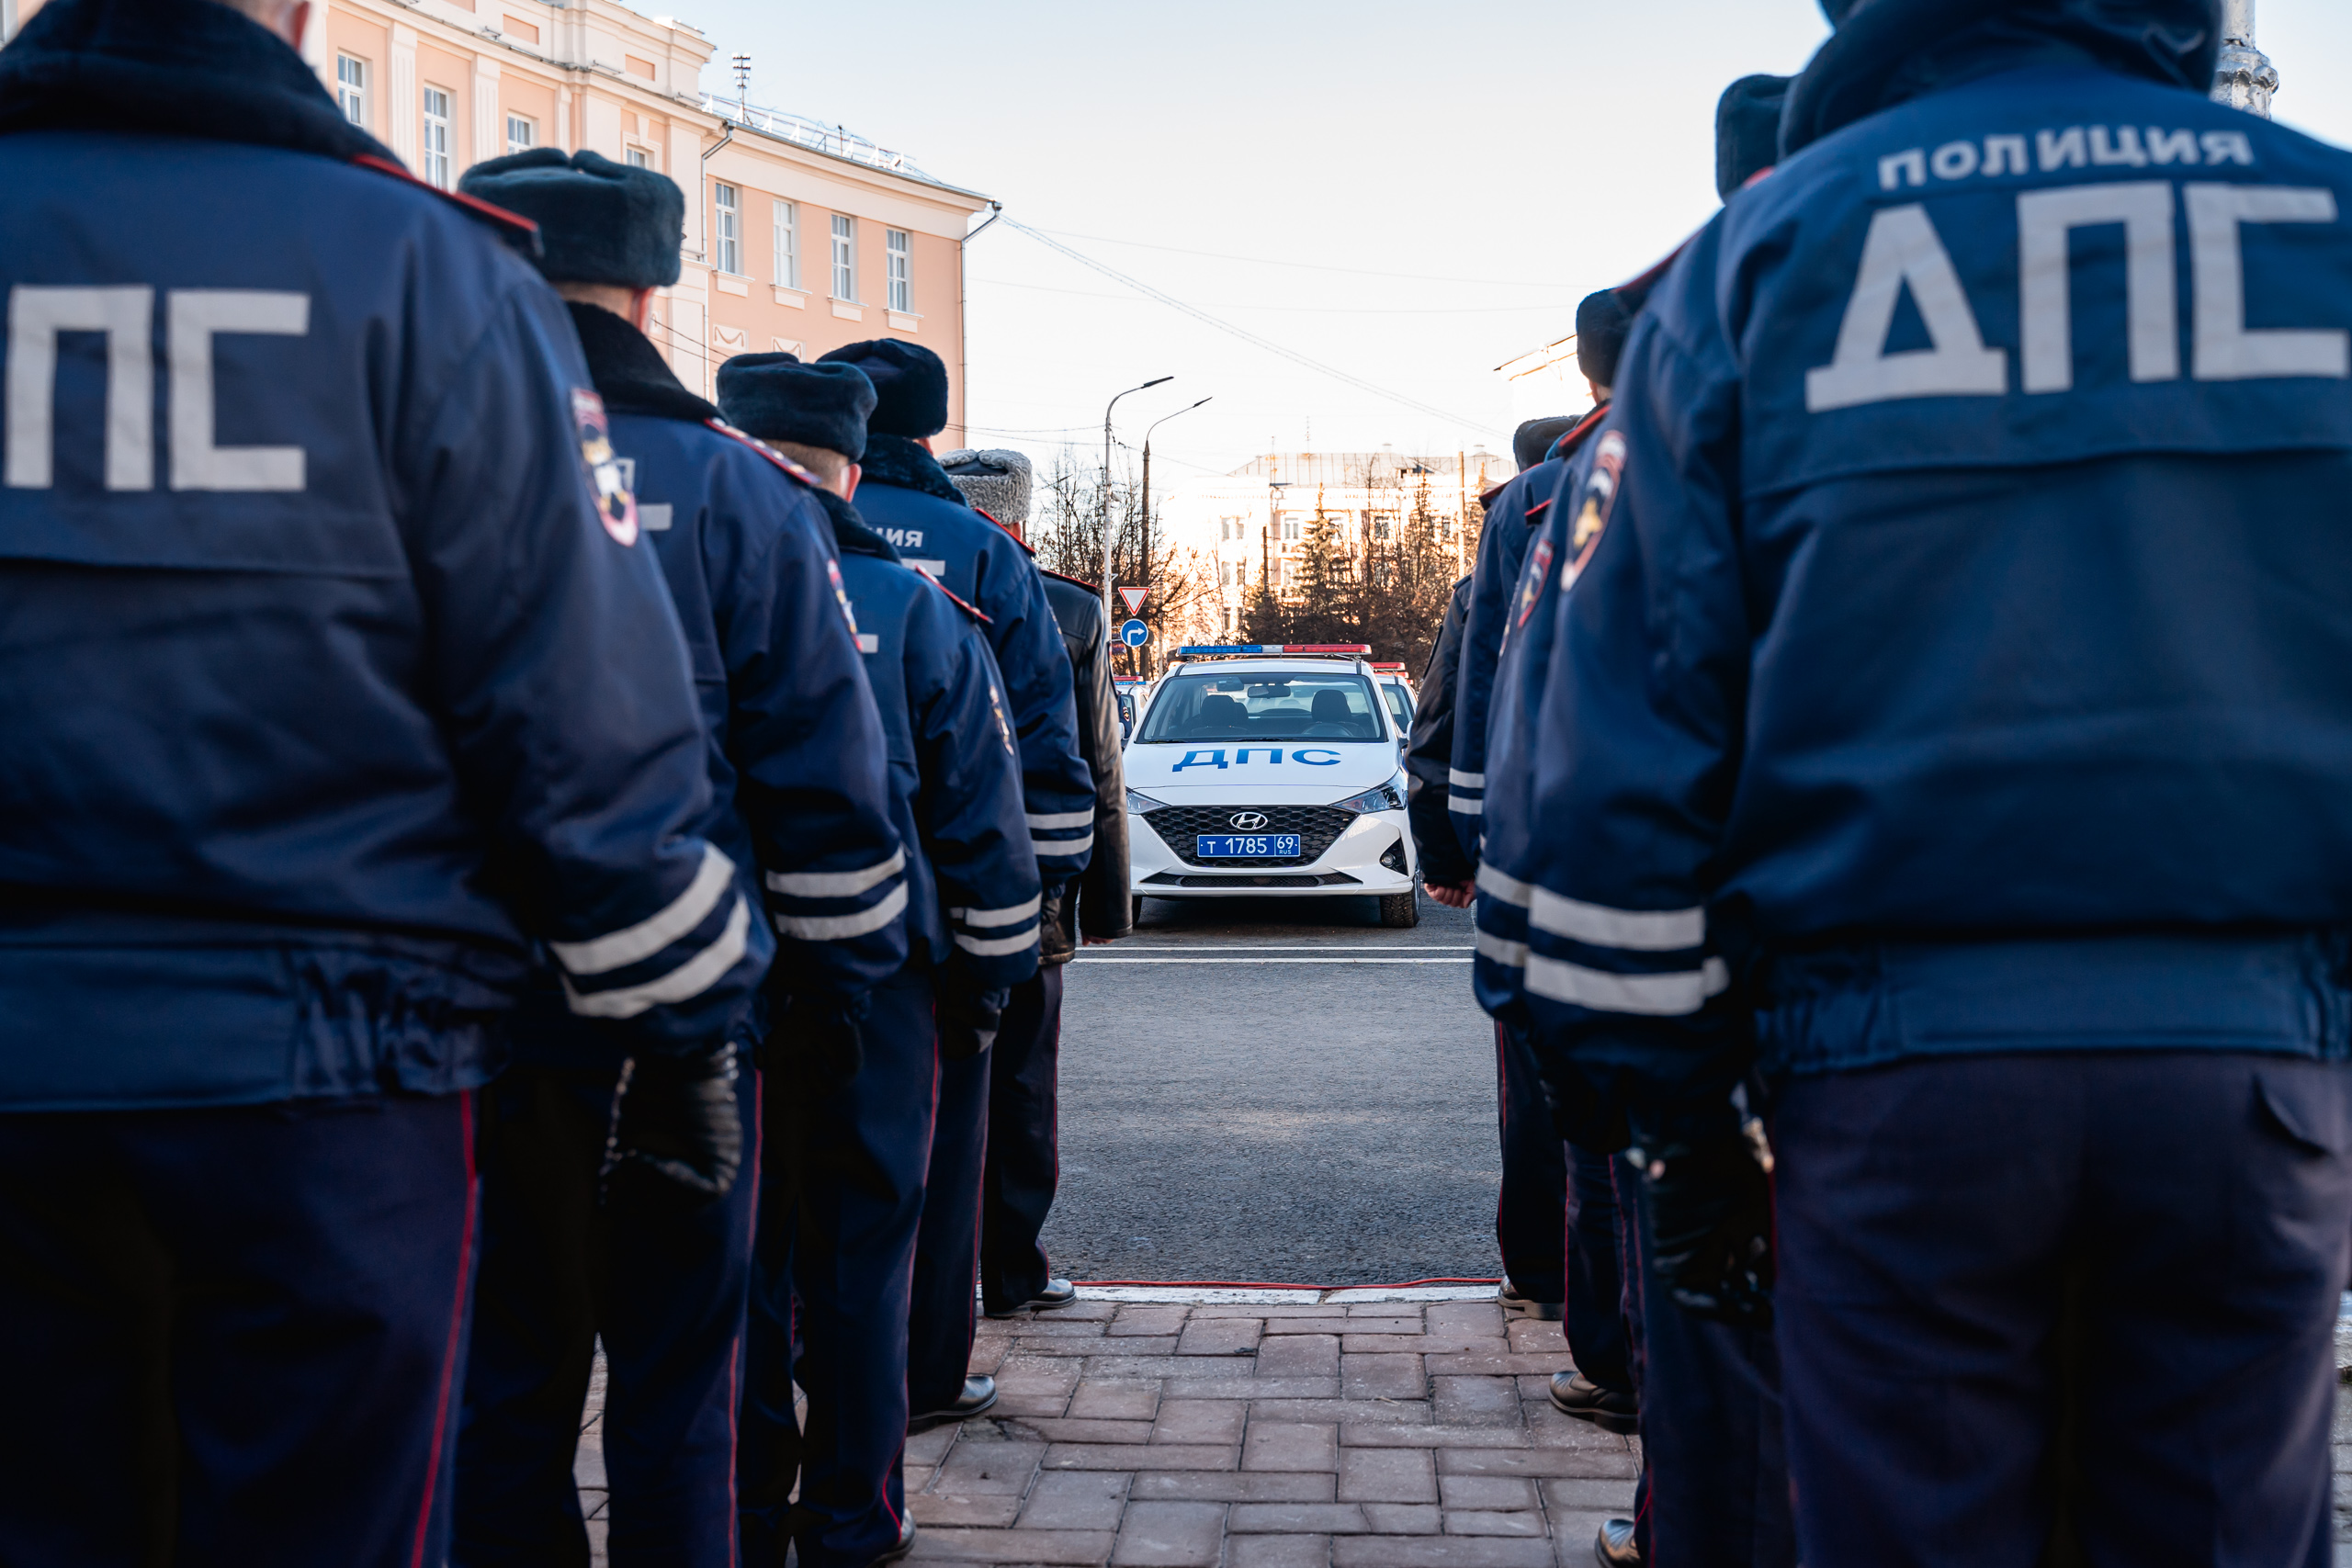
{"x":1247,"y":526}
{"x":799,"y":236}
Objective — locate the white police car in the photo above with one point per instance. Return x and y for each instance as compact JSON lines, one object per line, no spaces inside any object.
{"x":1261,"y":770}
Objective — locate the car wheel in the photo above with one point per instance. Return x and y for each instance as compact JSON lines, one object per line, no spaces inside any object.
{"x":1399,"y":910}
{"x":1135,"y":916}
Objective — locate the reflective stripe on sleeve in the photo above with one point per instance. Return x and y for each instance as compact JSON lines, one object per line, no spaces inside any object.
{"x":1061,"y":846}
{"x":1061,"y":819}
{"x":1465,"y":804}
{"x":837,"y":928}
{"x":688,"y":980}
{"x":1512,"y":954}
{"x":1509,"y":889}
{"x":1637,"y":931}
{"x":1004,"y":917}
{"x":1461,"y":780}
{"x":620,"y":949}
{"x":996,"y":947}
{"x":1674,"y":995}
{"x":836,"y":884}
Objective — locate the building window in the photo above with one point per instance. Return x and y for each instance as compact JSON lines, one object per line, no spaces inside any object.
{"x":435,"y":149}
{"x":351,"y":88}
{"x":902,"y":294}
{"x":731,"y":231}
{"x":1290,"y":525}
{"x":787,"y":244}
{"x":639,"y":158}
{"x":844,"y":258}
{"x":522,"y":133}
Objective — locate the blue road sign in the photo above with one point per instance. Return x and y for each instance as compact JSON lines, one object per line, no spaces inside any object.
{"x":1135,"y":634}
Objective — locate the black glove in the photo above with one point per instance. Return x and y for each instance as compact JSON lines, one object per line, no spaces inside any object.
{"x":969,"y":1016}
{"x":828,"y":1038}
{"x":674,"y":1119}
{"x":1711,"y":1226}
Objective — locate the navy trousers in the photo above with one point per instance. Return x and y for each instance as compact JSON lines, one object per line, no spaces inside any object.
{"x":659,"y":1277}
{"x":2083,"y":1302}
{"x":1715,"y":1461}
{"x":833,"y":1269}
{"x":239,"y":1334}
{"x":947,"y":1257}
{"x":1595,"y":1319}
{"x":1023,"y":1159}
{"x":1531,"y":1212}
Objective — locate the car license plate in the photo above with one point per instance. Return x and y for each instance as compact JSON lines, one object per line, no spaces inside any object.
{"x":1246,"y":846}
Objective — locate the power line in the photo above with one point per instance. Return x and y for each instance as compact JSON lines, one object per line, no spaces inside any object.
{"x":1298,"y":310}
{"x":1310,"y":266}
{"x":1242,"y":333}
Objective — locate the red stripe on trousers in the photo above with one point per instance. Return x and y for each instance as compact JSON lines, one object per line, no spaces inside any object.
{"x":457,"y":1328}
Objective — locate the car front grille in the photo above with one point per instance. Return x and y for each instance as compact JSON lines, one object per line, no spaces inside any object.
{"x":1294,"y":879}
{"x":1316,"y":826}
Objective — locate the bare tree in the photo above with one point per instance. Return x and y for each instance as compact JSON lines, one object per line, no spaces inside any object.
{"x":1066,"y":523}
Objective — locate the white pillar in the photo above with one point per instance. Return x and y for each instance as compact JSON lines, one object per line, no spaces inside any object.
{"x":2244,"y":78}
{"x":402,"y":106}
{"x":490,"y":125}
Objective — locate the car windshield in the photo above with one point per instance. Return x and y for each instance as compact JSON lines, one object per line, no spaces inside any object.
{"x":1254,"y":706}
{"x":1399,"y":706}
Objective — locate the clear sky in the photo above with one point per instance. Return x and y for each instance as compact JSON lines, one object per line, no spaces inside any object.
{"x":1414,"y":194}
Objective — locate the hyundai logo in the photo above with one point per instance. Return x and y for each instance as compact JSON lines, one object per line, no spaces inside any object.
{"x":1248,"y":821}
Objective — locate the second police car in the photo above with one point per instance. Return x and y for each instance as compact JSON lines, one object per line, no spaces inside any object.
{"x":1261,"y":770}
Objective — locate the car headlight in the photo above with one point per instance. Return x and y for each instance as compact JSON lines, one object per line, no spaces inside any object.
{"x":1389,"y":796}
{"x":1139,"y":803}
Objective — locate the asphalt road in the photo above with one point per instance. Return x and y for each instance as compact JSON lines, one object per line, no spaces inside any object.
{"x":1248,"y":1114}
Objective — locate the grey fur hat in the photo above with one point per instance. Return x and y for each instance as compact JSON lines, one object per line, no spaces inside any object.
{"x":995,"y":480}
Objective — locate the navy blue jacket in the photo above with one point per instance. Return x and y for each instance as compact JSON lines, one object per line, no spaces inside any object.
{"x":799,"y":798}
{"x":1970,"y":571}
{"x":1428,"y":752}
{"x":1513,"y":518}
{"x":313,"y":565}
{"x":973,"y":888}
{"x":909,"y":500}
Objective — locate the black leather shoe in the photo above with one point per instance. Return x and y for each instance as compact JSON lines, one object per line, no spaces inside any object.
{"x":907,"y":1539}
{"x":1573,"y":1393}
{"x":1517,"y":1305}
{"x":1057,"y":1293}
{"x":1615,"y":1545}
{"x":979,"y":1392}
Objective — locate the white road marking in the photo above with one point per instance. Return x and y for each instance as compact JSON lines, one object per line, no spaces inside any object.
{"x":1352,"y":960}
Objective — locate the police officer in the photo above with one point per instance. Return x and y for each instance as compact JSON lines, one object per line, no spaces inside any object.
{"x":855,"y":1190}
{"x":1447,"y":869}
{"x":1981,"y":779}
{"x":1023,"y":1159}
{"x":1714,"y":1429}
{"x":795,"y":757}
{"x":908,"y":499}
{"x":313,"y":558}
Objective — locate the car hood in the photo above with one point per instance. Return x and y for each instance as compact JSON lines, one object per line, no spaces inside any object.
{"x":1311,"y":772}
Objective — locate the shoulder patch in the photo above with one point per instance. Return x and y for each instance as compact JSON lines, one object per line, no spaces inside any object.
{"x":616,"y":507}
{"x":1599,"y":501}
{"x":517,"y":231}
{"x":848,"y":614}
{"x":1531,"y":588}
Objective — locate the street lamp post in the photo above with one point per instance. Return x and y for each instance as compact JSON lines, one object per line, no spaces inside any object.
{"x":1107,"y":619}
{"x":1154,"y":425}
{"x":2244,"y":78}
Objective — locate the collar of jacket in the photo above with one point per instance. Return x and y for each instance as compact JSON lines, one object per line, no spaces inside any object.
{"x":849,"y":532}
{"x":1578,"y":434}
{"x":1889,"y":51}
{"x":895,"y":460}
{"x":628,"y":370}
{"x":174,"y":68}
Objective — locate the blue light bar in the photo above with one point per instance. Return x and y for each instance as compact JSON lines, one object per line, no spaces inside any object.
{"x":1277,"y":647}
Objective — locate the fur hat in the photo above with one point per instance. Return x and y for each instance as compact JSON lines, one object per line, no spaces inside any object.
{"x":777,"y":398}
{"x":996,"y":481}
{"x":1603,"y":321}
{"x":1531,"y":440}
{"x":1748,"y":130}
{"x":599,"y":221}
{"x":909,"y":381}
